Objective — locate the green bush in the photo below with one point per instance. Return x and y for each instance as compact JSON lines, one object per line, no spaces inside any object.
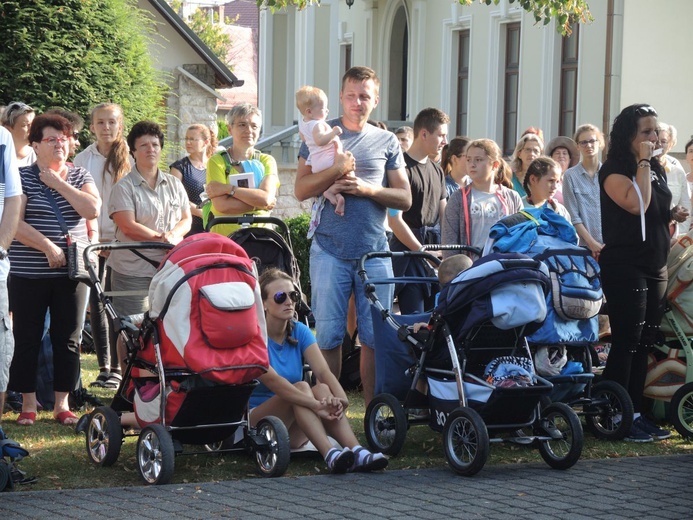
{"x":298,"y":227}
{"x":223,"y":129}
{"x":78,"y":53}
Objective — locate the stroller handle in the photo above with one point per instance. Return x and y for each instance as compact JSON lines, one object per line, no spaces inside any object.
{"x":249,"y":220}
{"x":451,"y":247}
{"x":112,"y":246}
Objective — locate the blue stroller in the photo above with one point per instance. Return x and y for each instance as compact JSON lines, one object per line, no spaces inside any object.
{"x":564,"y":345}
{"x":471,"y":367}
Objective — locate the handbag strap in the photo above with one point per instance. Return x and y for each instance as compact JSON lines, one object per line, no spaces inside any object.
{"x":56,"y":209}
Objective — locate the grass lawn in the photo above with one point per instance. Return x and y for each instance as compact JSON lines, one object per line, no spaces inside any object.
{"x":58,"y":456}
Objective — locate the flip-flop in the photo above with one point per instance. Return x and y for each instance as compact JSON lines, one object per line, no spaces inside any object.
{"x":26,"y":419}
{"x":101,"y":379}
{"x":113,"y":380}
{"x":67,"y":418}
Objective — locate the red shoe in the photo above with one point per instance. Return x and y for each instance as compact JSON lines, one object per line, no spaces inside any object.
{"x":26,"y":419}
{"x":67,"y":418}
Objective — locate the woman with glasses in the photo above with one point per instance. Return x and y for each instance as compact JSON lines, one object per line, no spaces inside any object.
{"x":17,"y":118}
{"x":53,"y":191}
{"x":147,"y":205}
{"x":635,"y":203}
{"x":191,"y":170}
{"x":581,"y":189}
{"x":676,"y":177}
{"x":310,"y":414}
{"x":454,"y":164}
{"x":242,"y":180}
{"x":529,"y":147}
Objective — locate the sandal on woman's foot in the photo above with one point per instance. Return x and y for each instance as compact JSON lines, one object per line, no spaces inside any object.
{"x":339,"y":461}
{"x":66,"y":418}
{"x":26,"y":419}
{"x":365,"y":461}
{"x":113,"y":380}
{"x":101,"y":379}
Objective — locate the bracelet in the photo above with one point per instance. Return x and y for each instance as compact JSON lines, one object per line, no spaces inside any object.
{"x":643,"y":163}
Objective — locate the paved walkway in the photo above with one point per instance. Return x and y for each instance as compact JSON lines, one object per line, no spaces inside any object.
{"x":642,"y":488}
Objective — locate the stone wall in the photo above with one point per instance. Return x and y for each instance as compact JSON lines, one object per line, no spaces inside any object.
{"x":287,"y":205}
{"x":188,"y":103}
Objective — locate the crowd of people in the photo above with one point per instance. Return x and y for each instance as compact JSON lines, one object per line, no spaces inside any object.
{"x":400,"y":190}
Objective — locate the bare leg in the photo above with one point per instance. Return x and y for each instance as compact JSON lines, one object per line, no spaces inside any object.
{"x":351,"y":317}
{"x":339,"y":429}
{"x":2,"y":404}
{"x":295,"y":416}
{"x":334,"y":360}
{"x":336,"y":198}
{"x":367,"y":373}
{"x":29,"y":402}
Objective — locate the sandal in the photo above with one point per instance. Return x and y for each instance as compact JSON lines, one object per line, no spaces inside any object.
{"x":26,"y":419}
{"x":67,"y":418}
{"x":101,"y":379}
{"x":113,"y":380}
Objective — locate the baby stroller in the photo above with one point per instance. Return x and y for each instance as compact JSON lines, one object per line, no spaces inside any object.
{"x":267,"y":241}
{"x":191,"y":362}
{"x":564,"y":345}
{"x":472,"y":349}
{"x":669,"y":380}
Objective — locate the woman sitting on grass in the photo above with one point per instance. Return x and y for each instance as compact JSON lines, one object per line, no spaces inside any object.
{"x":310,"y":414}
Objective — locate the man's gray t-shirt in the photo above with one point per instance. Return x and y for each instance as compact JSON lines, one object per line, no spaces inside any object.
{"x":361,"y":229}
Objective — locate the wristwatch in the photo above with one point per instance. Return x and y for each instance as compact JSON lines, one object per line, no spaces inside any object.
{"x":3,"y":253}
{"x":233,"y":191}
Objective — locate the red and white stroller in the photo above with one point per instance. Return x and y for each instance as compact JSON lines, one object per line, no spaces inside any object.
{"x":192,"y":362}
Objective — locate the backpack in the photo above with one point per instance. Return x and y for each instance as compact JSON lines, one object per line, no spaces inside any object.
{"x":575,"y":284}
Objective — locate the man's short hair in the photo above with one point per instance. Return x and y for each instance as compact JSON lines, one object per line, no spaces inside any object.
{"x":408,"y":130}
{"x":430,"y":119}
{"x":361,"y":74}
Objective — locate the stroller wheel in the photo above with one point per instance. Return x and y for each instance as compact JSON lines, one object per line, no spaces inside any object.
{"x":5,"y":476}
{"x":155,"y":455}
{"x":562,"y":424}
{"x":273,"y":458}
{"x":385,"y":424}
{"x":465,"y":440}
{"x":682,"y":411}
{"x":610,"y":414}
{"x":104,"y":436}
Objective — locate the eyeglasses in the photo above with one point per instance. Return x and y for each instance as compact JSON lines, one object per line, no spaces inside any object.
{"x":18,"y":106}
{"x":588,"y":142}
{"x":52,"y":141}
{"x":646,"y":110}
{"x":75,"y":135}
{"x":281,"y":297}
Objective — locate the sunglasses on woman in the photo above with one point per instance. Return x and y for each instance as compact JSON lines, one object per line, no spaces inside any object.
{"x":281,"y":296}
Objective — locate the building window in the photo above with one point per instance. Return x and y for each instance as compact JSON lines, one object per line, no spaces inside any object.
{"x":569,"y":73}
{"x":462,"y":83}
{"x":347,"y":58}
{"x":512,"y":76}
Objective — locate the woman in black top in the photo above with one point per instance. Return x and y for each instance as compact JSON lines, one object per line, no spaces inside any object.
{"x":635,"y":203}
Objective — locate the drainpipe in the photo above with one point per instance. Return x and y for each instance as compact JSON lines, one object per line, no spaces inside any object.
{"x":608,"y":73}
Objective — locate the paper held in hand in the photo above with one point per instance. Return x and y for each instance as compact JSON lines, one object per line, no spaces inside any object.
{"x":242,"y":180}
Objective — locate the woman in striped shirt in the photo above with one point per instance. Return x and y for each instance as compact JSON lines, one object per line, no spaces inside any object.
{"x":38,"y":273}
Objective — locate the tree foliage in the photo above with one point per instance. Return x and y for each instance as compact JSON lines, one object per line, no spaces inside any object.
{"x":565,"y":12}
{"x":78,"y":53}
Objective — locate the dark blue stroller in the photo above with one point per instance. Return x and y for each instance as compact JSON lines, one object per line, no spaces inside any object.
{"x":471,"y":367}
{"x":563,"y":346}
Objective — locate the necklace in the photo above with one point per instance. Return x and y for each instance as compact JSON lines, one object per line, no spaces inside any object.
{"x":234,"y":162}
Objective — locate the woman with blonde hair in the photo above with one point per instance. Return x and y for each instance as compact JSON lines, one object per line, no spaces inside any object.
{"x":191,"y":170}
{"x":108,"y":160}
{"x":474,"y":208}
{"x":528,"y":147}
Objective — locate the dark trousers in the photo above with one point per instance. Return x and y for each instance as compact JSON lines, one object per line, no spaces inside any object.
{"x":106,"y":351}
{"x":636,"y":300}
{"x":29,"y":300}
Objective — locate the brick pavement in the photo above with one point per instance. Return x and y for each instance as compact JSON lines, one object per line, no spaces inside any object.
{"x":643,"y":488}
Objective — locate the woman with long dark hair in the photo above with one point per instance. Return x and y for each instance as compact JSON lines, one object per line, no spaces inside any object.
{"x":635,"y":203}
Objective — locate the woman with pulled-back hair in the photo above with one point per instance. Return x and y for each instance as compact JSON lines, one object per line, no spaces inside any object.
{"x":108,"y":161}
{"x":541,"y":184}
{"x":191,"y":170}
{"x":635,"y":203}
{"x":454,"y":164}
{"x":474,"y":208}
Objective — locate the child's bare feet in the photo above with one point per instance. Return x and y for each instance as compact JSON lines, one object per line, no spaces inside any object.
{"x":339,"y":207}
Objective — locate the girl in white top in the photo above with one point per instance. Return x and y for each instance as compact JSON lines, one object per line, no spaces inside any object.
{"x":541,"y":183}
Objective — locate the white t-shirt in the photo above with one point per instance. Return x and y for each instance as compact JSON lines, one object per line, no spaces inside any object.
{"x":10,"y":182}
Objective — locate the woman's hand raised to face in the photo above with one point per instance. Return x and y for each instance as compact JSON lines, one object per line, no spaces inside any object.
{"x":51,"y":178}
